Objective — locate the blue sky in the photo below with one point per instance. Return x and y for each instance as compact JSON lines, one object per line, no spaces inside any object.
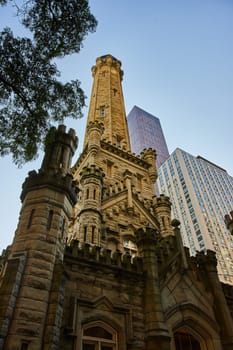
{"x":177,"y":58}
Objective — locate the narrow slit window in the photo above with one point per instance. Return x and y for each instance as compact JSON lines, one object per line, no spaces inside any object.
{"x":63,"y":226}
{"x":61,"y":158}
{"x":93,"y":234}
{"x":85,"y":234}
{"x":30,"y":218}
{"x":118,"y":140}
{"x":50,"y":218}
{"x":109,"y":168}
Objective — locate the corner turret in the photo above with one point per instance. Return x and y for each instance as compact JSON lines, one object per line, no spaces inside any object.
{"x":156,"y":331}
{"x":60,"y":148}
{"x":91,"y":179}
{"x":149,"y":155}
{"x":47,"y":198}
{"x":162,"y":209}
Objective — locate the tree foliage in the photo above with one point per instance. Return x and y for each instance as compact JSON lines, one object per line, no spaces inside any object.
{"x":31,"y":95}
{"x":62,"y":25}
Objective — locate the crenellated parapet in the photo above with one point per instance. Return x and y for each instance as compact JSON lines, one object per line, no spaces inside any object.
{"x":104,"y":256}
{"x":229,"y":221}
{"x":59,"y":150}
{"x":54,"y":171}
{"x":207,"y":259}
{"x":56,"y":182}
{"x":146,"y":236}
{"x":92,"y":171}
{"x":162,"y":209}
{"x":121,"y":152}
{"x":108,"y":60}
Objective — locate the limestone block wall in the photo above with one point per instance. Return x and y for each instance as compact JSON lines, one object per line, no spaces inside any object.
{"x":103,"y":286}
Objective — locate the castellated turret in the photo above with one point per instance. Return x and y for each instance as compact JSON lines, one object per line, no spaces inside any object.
{"x":60,"y":148}
{"x":95,"y":130}
{"x":91,"y":179}
{"x":149,"y":155}
{"x":162,"y":209}
{"x":48,"y":197}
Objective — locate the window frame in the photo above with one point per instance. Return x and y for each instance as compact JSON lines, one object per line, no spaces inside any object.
{"x":99,"y":342}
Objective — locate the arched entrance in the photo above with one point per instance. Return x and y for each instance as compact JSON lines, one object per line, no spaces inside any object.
{"x":186,"y":341}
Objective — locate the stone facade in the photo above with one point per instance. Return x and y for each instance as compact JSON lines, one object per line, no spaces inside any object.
{"x":96,"y":262}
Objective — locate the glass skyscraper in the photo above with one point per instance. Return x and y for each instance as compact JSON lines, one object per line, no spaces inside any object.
{"x":201,"y":194}
{"x":145,"y":131}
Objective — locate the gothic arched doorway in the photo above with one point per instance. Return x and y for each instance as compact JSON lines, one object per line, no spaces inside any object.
{"x":186,"y":341}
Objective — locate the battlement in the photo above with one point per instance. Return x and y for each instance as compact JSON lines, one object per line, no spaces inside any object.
{"x":104,"y":256}
{"x":60,"y":183}
{"x":148,"y":152}
{"x":162,"y":200}
{"x":95,"y":125}
{"x":59,"y":150}
{"x":206,"y":258}
{"x":60,"y":135}
{"x":146,"y":234}
{"x":132,"y":157}
{"x":107,"y":60}
{"x":113,"y":189}
{"x":92,"y":171}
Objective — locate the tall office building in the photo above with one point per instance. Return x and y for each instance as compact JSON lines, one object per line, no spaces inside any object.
{"x":201,"y":194}
{"x":145,"y":131}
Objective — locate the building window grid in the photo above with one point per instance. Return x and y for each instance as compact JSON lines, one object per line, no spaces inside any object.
{"x":199,"y":176}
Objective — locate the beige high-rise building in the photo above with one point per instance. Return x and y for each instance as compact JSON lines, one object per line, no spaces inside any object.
{"x":201,"y":194}
{"x":96,"y":262}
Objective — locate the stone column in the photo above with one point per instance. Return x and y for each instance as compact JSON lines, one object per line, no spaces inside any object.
{"x":156,"y":332}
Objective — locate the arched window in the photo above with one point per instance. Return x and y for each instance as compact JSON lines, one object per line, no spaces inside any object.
{"x":186,"y":341}
{"x":99,"y":336}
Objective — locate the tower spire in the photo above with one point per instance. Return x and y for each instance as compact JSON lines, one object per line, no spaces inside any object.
{"x":107,"y":102}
